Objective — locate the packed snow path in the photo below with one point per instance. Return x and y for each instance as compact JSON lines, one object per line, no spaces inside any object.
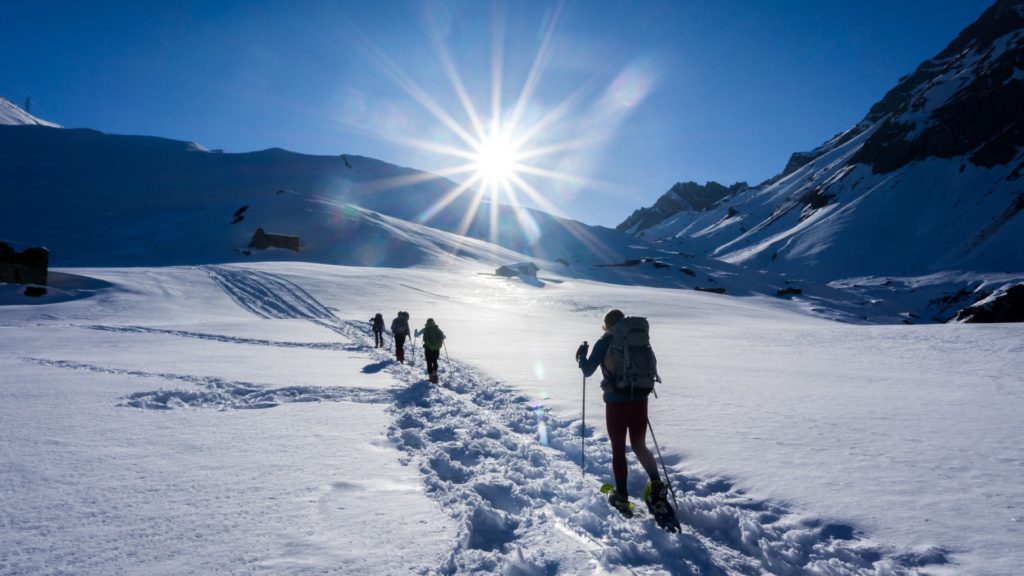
{"x":509,"y":474}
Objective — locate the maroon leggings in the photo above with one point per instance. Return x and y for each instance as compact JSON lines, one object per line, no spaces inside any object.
{"x":631,"y":417}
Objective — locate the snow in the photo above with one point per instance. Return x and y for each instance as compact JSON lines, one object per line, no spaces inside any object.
{"x":180,"y":403}
{"x":832,"y":219}
{"x":12,"y":115}
{"x":236,"y":418}
{"x":885,"y":225}
{"x":353,"y":210}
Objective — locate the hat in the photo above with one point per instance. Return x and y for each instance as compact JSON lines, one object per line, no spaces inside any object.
{"x":612,"y":317}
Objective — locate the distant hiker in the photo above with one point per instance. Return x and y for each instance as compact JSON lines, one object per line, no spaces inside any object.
{"x":377,"y":322}
{"x":400,"y":330}
{"x":625,"y":397}
{"x":433,"y":340}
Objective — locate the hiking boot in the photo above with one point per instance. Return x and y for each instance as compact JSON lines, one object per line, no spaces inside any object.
{"x":621,"y":503}
{"x":655,"y":491}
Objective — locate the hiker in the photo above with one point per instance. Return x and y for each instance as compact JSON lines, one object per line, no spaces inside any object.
{"x":377,"y":323}
{"x":433,"y":340}
{"x":625,"y":414}
{"x":400,"y":330}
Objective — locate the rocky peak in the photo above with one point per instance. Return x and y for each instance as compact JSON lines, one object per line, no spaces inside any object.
{"x":964,"y":101}
{"x":683,"y":196}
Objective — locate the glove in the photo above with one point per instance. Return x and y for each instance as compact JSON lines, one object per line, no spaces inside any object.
{"x":582,"y":351}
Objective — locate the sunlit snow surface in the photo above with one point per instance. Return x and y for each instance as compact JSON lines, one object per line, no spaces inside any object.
{"x":237,"y":419}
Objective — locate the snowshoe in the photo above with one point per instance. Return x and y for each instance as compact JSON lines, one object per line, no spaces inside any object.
{"x":619,"y":502}
{"x":656,"y":498}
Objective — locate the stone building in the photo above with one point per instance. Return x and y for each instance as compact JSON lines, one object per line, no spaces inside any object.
{"x":30,"y":266}
{"x":261,"y":241}
{"x":518,"y":269}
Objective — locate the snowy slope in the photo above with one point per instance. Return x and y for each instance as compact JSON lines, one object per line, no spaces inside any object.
{"x":928,"y":182}
{"x":101,"y":199}
{"x":236,"y":419}
{"x":337,"y":233}
{"x":102,"y":182}
{"x":12,"y":115}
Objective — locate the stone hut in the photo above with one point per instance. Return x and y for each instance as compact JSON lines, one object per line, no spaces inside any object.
{"x":30,"y":266}
{"x":261,"y":241}
{"x":518,"y":269}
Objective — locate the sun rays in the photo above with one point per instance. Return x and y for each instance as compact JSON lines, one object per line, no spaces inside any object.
{"x":508,"y":161}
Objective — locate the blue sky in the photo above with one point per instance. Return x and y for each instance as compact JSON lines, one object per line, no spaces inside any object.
{"x":625,"y":98}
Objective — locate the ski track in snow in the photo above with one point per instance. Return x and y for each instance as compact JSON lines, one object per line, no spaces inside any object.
{"x":267,"y":295}
{"x":508,"y":472}
{"x":214,"y":392}
{"x":226,"y":339}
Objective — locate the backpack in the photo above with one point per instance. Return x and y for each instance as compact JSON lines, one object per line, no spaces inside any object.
{"x":433,"y":337}
{"x":630,"y":358}
{"x":400,"y":325}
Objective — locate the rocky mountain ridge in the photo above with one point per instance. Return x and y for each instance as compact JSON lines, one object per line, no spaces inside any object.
{"x":688,"y":196}
{"x":928,"y":182}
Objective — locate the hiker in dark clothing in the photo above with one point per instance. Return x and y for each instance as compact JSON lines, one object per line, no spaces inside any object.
{"x":433,"y":341}
{"x":625,"y":414}
{"x":400,"y":330}
{"x":377,"y":323}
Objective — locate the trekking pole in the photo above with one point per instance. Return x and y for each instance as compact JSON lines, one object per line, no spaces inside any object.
{"x":414,"y":336}
{"x":663,"y":469}
{"x":583,"y":432}
{"x":447,"y":358}
{"x":581,"y":355}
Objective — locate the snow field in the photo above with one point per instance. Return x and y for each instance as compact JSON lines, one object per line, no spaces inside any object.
{"x":460,"y":442}
{"x":755,"y":439}
{"x":93,"y":488}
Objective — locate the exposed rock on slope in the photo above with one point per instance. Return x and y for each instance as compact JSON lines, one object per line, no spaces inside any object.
{"x":966,"y":101}
{"x":929,"y":180}
{"x":684,"y":196}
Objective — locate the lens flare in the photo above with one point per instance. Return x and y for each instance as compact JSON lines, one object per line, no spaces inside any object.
{"x":632,"y":85}
{"x":538,"y":370}
{"x":540,"y":414}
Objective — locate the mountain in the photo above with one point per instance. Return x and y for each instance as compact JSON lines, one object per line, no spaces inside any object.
{"x":79,"y":191}
{"x":12,"y":115}
{"x":929,"y":182}
{"x":683,"y":196}
{"x":97,"y":199}
{"x":965,"y":102}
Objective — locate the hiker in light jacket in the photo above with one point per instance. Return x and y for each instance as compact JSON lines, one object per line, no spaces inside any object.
{"x":433,"y":341}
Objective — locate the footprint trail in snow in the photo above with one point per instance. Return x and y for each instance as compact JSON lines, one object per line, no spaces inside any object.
{"x":509,"y":475}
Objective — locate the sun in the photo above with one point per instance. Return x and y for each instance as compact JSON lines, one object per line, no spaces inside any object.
{"x":514,"y":157}
{"x":495,"y":160}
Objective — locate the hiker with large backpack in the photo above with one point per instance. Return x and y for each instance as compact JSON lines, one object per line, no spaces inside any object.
{"x":433,"y":341}
{"x":400,"y":330}
{"x":629,"y":370}
{"x":377,"y":323}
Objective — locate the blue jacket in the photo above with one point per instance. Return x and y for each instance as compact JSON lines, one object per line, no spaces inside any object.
{"x":590,"y":365}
